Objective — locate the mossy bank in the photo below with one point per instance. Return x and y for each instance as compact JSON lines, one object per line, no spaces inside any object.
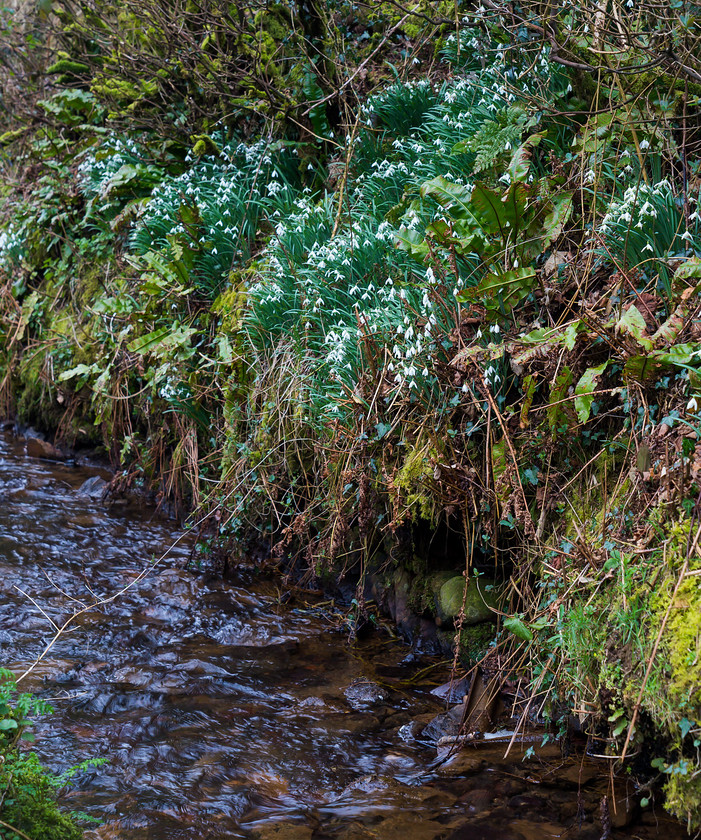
{"x":416,"y":301}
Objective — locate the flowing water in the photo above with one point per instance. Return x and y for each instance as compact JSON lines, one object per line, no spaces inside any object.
{"x":225,"y":714}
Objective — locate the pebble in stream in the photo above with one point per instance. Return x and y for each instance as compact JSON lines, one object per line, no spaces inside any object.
{"x":223,"y":714}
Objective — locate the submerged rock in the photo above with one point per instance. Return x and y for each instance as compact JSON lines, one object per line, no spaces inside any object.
{"x":37,"y":448}
{"x":364,"y":694}
{"x":282,"y":831}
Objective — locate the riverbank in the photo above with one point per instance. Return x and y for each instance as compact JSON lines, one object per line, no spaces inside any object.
{"x":421,"y":312}
{"x":236,"y":708}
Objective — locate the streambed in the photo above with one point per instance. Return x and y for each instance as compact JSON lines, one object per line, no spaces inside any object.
{"x":225,"y":714}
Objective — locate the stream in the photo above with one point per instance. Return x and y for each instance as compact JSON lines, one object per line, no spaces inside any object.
{"x":224,"y":713}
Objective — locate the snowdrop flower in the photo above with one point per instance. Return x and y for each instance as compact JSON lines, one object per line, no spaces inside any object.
{"x":649,"y":248}
{"x":644,"y":144}
{"x":692,"y":405}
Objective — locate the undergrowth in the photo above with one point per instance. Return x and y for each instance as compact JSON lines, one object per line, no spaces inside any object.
{"x":440,"y":277}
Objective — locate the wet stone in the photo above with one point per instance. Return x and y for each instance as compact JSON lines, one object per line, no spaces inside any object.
{"x":444,"y":725}
{"x":477,"y":800}
{"x":281,"y":831}
{"x":93,"y":488}
{"x":364,"y":694}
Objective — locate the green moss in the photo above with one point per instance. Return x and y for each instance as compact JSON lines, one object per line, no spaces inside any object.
{"x":683,"y":795}
{"x":683,"y":643}
{"x":415,"y":481}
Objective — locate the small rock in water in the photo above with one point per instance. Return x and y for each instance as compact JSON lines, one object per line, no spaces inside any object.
{"x":453,"y":691}
{"x":363,"y":694}
{"x":93,"y":488}
{"x":448,"y":724}
{"x":37,"y":448}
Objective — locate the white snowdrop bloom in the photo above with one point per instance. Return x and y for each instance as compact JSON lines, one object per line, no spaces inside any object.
{"x":644,"y":144}
{"x":465,"y":388}
{"x":686,"y":236}
{"x":694,"y":217}
{"x":649,"y":248}
{"x":692,"y":405}
{"x":589,"y":176}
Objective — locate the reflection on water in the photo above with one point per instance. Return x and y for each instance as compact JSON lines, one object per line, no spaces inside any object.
{"x":224,"y":714}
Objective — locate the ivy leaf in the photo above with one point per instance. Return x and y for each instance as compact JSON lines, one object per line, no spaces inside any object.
{"x":583,"y":396}
{"x":8,"y":723}
{"x":686,"y":726}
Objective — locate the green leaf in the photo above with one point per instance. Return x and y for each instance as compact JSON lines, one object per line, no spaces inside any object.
{"x":382,"y":429}
{"x":633,"y":323}
{"x":520,"y":164}
{"x":410,"y":240}
{"x":448,"y":194}
{"x":686,"y":726}
{"x":6,"y":724}
{"x":619,"y":727}
{"x":570,"y":335}
{"x":504,"y":291}
{"x":147,"y":342}
{"x":640,"y":368}
{"x":515,"y":625}
{"x":583,"y":396}
{"x":557,"y":217}
{"x":691,"y":269}
{"x":557,"y":411}
{"x":78,"y":370}
{"x":680,"y":355}
{"x":489,"y":209}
